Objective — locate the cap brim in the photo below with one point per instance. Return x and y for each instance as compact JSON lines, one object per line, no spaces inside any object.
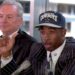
{"x":48,"y":24}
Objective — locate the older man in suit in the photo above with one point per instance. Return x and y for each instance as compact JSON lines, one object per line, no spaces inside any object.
{"x":14,"y":45}
{"x":60,"y":50}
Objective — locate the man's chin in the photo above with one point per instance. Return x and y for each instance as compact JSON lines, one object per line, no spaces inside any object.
{"x":48,"y":48}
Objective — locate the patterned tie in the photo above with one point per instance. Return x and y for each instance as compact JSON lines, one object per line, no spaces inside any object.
{"x":49,"y":65}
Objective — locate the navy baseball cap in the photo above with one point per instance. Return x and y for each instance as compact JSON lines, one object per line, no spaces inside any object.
{"x":51,"y":19}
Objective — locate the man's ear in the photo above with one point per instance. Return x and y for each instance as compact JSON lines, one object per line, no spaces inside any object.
{"x":63,"y":32}
{"x":19,"y":21}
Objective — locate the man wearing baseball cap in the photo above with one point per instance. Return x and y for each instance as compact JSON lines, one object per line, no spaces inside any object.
{"x":60,"y":51}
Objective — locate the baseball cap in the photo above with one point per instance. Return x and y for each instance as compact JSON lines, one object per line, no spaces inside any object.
{"x":51,"y":19}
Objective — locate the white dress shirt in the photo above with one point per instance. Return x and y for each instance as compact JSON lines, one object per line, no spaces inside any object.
{"x":5,"y":61}
{"x":55,"y":55}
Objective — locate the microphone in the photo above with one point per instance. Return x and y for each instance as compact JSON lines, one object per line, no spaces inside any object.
{"x":25,"y":65}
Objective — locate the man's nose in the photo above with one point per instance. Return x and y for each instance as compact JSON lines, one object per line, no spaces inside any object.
{"x":46,"y":36}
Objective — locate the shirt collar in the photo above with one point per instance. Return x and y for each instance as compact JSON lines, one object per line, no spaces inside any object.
{"x":56,"y":52}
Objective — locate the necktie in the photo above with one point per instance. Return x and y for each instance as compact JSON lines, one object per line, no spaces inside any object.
{"x":49,"y":65}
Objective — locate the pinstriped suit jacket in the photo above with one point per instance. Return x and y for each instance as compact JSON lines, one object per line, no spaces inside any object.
{"x":65,"y":63}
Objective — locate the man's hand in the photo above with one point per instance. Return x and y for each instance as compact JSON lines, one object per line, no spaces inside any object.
{"x":6,"y":45}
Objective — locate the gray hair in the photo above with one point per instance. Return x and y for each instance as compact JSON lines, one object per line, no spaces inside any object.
{"x":17,"y":4}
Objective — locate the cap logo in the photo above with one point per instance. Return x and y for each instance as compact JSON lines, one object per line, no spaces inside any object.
{"x":49,"y":15}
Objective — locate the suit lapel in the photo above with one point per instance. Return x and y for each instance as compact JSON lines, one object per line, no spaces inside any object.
{"x":64,"y":60}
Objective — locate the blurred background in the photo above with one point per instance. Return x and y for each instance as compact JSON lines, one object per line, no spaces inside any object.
{"x":32,"y":9}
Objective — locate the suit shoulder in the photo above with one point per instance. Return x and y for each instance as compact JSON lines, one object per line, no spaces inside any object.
{"x":25,"y":37}
{"x":70,"y":41}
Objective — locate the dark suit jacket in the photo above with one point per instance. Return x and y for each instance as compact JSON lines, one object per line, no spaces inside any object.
{"x":64,"y":64}
{"x":21,"y":51}
{"x":71,"y":69}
